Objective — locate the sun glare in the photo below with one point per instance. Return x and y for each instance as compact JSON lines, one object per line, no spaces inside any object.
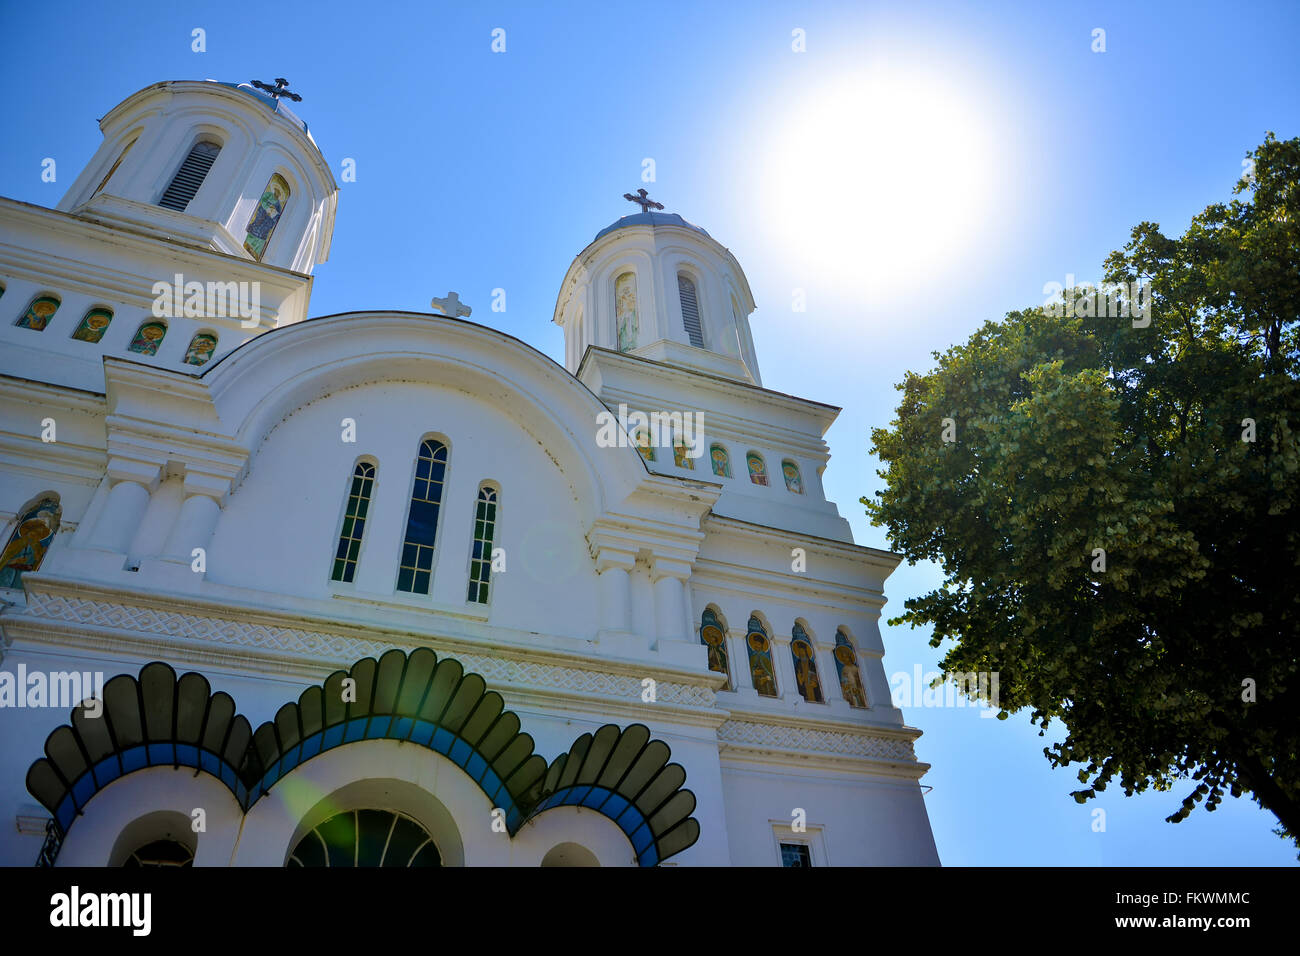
{"x":882,"y":180}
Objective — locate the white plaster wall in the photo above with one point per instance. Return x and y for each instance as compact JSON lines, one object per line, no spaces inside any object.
{"x":876,"y":821}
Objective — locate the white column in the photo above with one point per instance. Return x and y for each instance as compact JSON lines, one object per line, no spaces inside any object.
{"x":669,"y":579}
{"x":193,"y":528}
{"x":120,"y":518}
{"x":614,"y":567}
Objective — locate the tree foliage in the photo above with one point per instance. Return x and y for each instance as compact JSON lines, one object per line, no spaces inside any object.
{"x":1077,"y":432}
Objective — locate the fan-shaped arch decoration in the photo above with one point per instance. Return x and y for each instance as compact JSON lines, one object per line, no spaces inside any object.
{"x":418,"y":699}
{"x":626,"y":776}
{"x":153,"y":720}
{"x":158,"y":719}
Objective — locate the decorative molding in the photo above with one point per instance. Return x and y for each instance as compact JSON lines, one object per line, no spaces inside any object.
{"x":804,"y":739}
{"x":346,"y":649}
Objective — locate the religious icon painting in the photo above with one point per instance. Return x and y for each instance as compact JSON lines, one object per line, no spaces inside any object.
{"x":266,"y":216}
{"x":643,"y":445}
{"x":625,"y":311}
{"x":721,"y":462}
{"x":38,"y":314}
{"x":846,"y":663}
{"x":31,"y":537}
{"x":793,"y":482}
{"x":147,"y":338}
{"x":805,"y":666}
{"x":761,"y":670}
{"x":681,"y":457}
{"x":757,"y":470}
{"x":92,"y":325}
{"x":714,"y":638}
{"x":201,"y":348}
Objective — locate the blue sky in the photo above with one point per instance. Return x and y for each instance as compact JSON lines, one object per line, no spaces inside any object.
{"x":917,"y":169}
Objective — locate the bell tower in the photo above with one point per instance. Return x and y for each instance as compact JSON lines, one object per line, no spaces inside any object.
{"x":655,"y":286}
{"x":221,"y":166}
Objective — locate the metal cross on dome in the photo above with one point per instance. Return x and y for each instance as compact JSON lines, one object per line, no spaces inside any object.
{"x":280,"y":89}
{"x":451,"y":306}
{"x":642,"y":200}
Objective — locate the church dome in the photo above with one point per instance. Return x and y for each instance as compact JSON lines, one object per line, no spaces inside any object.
{"x":650,"y":219}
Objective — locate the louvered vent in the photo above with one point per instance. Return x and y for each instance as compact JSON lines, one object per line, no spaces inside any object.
{"x":690,"y":310}
{"x":190,"y":176}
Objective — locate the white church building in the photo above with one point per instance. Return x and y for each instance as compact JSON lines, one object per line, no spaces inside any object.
{"x":395,"y":588}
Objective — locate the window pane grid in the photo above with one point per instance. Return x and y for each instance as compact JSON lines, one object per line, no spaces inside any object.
{"x":354,"y":523}
{"x":480,"y":563}
{"x":416,"y":568}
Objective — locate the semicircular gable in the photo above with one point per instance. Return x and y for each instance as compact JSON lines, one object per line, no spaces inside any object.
{"x":266,"y":379}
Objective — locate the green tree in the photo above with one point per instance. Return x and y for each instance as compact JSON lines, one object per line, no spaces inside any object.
{"x":1115,"y":508}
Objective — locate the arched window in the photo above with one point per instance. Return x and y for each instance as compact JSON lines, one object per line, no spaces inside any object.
{"x":354,"y":522}
{"x":805,"y":665}
{"x":793,"y":481}
{"x":39,"y":313}
{"x":190,"y":176}
{"x":480,"y":556}
{"x":148,"y":337}
{"x":690,"y":309}
{"x":160,"y":855}
{"x":721,"y":461}
{"x":34,"y":529}
{"x":682,"y":454}
{"x":266,"y":216}
{"x":92,"y":325}
{"x":714,"y":636}
{"x":356,"y":838}
{"x":625,"y":315}
{"x":201,"y":348}
{"x":761,"y":671}
{"x":422,"y":519}
{"x":757,"y":470}
{"x":846,"y":662}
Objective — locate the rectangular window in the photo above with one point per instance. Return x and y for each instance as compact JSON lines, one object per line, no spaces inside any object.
{"x":795,"y":854}
{"x":480,"y":558}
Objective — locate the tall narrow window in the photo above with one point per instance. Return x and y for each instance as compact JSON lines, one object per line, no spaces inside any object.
{"x":92,"y":325}
{"x":793,"y":481}
{"x":39,"y":313}
{"x":480,"y":556}
{"x":757,"y":470}
{"x":690,"y":309}
{"x":266,"y":216}
{"x":354,"y":522}
{"x":805,"y":665}
{"x":846,"y":662}
{"x":422,"y":519}
{"x":625,"y":315}
{"x":148,"y":337}
{"x":33,"y":531}
{"x":761,"y":671}
{"x":714,"y":636}
{"x":721,"y":461}
{"x":190,"y":176}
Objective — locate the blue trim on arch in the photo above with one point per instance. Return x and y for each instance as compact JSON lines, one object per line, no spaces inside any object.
{"x":423,"y":733}
{"x":140,"y":757}
{"x":609,"y":804}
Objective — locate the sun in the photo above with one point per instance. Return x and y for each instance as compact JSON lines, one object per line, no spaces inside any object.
{"x":881,"y":179}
